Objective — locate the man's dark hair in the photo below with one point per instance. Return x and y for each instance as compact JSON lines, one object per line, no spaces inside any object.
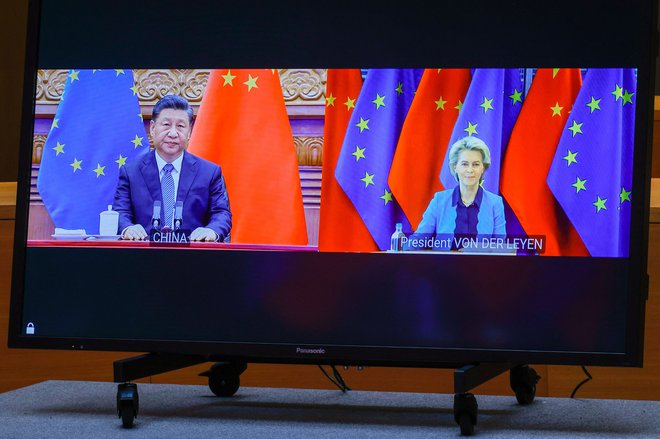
{"x":173,"y":102}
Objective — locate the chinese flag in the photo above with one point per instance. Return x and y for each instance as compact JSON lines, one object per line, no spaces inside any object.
{"x":243,"y":126}
{"x":529,"y":155}
{"x":414,"y":176}
{"x":340,"y":226}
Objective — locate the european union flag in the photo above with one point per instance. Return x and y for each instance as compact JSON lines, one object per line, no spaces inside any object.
{"x":368,"y":149}
{"x":97,"y":129}
{"x":489,"y":112}
{"x":591,"y":173}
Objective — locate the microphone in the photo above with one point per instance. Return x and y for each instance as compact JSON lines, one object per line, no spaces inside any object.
{"x":155,"y":216}
{"x":178,"y":215}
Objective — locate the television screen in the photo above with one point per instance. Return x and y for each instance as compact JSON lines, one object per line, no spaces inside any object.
{"x":401,"y":200}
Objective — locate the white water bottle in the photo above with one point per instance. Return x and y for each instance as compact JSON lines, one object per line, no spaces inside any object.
{"x":396,"y":243}
{"x":109,"y":222}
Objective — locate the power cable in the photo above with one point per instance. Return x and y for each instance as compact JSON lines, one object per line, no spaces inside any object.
{"x":338,"y":380}
{"x":583,"y":382}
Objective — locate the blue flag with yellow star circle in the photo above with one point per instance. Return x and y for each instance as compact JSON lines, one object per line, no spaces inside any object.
{"x":368,"y":149}
{"x":591,"y":173}
{"x":489,"y":113}
{"x":97,"y":129}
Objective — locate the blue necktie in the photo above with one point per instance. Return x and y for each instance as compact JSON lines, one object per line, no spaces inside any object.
{"x":167,"y":188}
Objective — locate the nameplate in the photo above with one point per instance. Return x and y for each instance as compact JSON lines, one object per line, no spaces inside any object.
{"x":171,"y":237}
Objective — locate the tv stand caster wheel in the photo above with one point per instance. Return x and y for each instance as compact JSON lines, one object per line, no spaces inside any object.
{"x":465,"y":412}
{"x":128,"y":404}
{"x":224,"y":379}
{"x":224,"y":385}
{"x":523,"y":380}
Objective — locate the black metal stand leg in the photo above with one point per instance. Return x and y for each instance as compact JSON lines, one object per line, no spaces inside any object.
{"x":470,"y":376}
{"x":152,"y":364}
{"x":467,"y":378}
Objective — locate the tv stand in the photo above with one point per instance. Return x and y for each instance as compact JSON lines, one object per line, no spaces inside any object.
{"x":223,"y":377}
{"x":522,"y":379}
{"x":224,"y":380}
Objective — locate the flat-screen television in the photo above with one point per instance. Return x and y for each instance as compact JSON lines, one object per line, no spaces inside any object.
{"x":341,"y":183}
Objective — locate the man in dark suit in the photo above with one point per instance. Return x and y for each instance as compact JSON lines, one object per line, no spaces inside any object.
{"x":169,"y":174}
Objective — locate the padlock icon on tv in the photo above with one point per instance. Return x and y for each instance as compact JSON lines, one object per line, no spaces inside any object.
{"x":29,"y":329}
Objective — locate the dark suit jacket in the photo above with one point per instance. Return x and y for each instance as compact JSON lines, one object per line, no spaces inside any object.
{"x":201,"y":189}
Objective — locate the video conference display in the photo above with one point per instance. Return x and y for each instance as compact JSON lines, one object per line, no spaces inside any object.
{"x":489,"y":207}
{"x":506,"y":161}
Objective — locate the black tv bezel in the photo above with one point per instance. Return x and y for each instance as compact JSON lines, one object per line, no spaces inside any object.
{"x":365,"y":355}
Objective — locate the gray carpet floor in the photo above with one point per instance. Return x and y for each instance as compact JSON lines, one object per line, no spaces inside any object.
{"x":72,"y":409}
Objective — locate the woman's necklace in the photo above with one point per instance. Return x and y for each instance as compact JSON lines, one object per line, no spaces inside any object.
{"x":469,"y":199}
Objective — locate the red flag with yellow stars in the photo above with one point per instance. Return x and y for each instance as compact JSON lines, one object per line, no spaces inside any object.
{"x":424,"y":139}
{"x":530,"y":154}
{"x":340,"y":226}
{"x":243,"y":126}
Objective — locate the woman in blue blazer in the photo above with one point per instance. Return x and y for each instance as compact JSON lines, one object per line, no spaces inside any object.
{"x":468,"y":209}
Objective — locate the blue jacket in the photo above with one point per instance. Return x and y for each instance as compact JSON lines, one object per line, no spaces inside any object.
{"x":440,"y":215}
{"x":201,"y":189}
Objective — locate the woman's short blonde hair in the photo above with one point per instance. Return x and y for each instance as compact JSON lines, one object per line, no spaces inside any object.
{"x":469,"y":143}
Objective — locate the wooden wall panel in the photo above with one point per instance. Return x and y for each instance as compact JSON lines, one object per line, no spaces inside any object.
{"x":655,"y":164}
{"x":13,"y":25}
{"x":41,"y":226}
{"x":655,"y":161}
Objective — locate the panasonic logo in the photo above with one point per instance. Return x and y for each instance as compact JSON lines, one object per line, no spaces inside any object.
{"x":320,"y":351}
